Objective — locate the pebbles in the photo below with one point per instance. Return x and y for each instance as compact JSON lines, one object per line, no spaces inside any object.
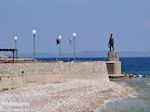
{"x":74,"y":95}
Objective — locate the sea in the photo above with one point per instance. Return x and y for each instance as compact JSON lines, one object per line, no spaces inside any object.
{"x":131,"y":65}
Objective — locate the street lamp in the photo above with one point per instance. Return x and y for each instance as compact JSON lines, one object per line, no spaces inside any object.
{"x":34,"y":32}
{"x":74,"y":38}
{"x":59,"y":39}
{"x":16,"y":54}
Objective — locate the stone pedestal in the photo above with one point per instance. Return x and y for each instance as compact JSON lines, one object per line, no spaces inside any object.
{"x":113,"y":64}
{"x":114,"y":67}
{"x":112,"y":56}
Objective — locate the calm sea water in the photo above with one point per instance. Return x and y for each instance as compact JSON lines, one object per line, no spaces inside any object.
{"x":129,"y":65}
{"x":140,"y":103}
{"x":142,"y":85}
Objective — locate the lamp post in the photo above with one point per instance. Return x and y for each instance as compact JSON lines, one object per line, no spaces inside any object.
{"x":16,"y":54}
{"x":59,"y":38}
{"x":34,"y":32}
{"x":70,"y":42}
{"x":74,"y":38}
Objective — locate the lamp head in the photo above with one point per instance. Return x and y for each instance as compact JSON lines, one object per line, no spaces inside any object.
{"x":74,"y":34}
{"x":15,"y":38}
{"x":59,"y":37}
{"x":34,"y":32}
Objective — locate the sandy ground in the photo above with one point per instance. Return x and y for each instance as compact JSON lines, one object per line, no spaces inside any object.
{"x":69,"y":95}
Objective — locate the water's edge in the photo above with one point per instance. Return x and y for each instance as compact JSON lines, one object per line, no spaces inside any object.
{"x":131,"y":94}
{"x":138,"y":101}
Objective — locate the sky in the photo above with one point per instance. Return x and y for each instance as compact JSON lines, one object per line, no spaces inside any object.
{"x":92,"y":20}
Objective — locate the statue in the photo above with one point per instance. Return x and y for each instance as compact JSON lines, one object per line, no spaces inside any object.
{"x":112,"y":56}
{"x":111,"y":43}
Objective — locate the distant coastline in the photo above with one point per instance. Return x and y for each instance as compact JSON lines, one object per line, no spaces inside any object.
{"x":87,"y":54}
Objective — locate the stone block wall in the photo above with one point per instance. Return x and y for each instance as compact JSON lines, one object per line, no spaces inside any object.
{"x":54,"y":68}
{"x":20,"y":74}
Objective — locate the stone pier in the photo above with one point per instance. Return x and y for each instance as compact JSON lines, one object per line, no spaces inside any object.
{"x":14,"y":75}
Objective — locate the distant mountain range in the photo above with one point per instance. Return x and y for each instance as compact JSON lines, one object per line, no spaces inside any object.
{"x":89,"y":54}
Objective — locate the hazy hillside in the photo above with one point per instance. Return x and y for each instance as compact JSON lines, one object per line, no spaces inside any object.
{"x":90,"y":54}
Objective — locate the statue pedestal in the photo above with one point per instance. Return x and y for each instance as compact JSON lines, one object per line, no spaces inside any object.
{"x":114,"y":67}
{"x":113,"y":64}
{"x":112,"y":56}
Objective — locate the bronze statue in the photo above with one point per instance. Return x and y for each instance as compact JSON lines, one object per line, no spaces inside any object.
{"x":111,"y":43}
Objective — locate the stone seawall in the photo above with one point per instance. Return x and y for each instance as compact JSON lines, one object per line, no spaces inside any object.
{"x":21,"y":74}
{"x":54,"y":68}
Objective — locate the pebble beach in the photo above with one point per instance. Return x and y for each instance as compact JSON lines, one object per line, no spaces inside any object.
{"x":71,"y":95}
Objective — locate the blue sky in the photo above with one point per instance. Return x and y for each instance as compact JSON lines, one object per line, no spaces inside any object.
{"x":92,"y":20}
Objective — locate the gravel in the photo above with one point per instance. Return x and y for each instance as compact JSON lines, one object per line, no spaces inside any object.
{"x":72,"y":95}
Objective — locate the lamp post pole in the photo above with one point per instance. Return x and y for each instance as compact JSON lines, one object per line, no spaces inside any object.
{"x":74,"y":38}
{"x":33,"y":46}
{"x":34,"y":32}
{"x":16,"y":54}
{"x":70,"y":42}
{"x":74,"y":49}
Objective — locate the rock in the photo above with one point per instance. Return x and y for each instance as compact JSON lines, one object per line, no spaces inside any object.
{"x":134,"y":76}
{"x":140,"y":76}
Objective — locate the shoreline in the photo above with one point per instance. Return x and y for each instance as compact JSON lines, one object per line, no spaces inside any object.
{"x":71,"y":95}
{"x":129,"y":92}
{"x":138,"y":99}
